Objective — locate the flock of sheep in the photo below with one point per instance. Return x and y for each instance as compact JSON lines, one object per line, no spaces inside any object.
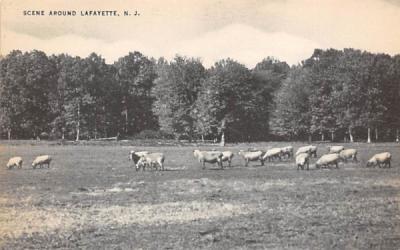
{"x":335,"y":155}
{"x":147,"y":159}
{"x":39,"y":161}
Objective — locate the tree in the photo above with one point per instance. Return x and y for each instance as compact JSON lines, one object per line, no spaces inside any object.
{"x":11,"y":80}
{"x":268,"y":76}
{"x":26,"y":80}
{"x":226,"y":104}
{"x":175,"y":94}
{"x":292,"y":116}
{"x":322,"y":77}
{"x":135,"y":75}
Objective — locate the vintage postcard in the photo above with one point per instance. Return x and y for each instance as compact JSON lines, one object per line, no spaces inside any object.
{"x":215,"y":124}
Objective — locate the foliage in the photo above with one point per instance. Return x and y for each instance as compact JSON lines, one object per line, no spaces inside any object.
{"x":175,"y":91}
{"x":344,"y":93}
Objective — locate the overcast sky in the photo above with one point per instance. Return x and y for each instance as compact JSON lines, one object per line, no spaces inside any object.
{"x":245,"y":30}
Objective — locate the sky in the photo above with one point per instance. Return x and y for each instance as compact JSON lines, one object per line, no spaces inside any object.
{"x":244,"y":30}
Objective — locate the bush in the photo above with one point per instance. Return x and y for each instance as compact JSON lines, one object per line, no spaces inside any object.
{"x":153,"y":134}
{"x":44,"y":136}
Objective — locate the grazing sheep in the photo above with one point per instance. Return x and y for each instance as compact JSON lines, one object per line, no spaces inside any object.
{"x":252,"y":156}
{"x":135,"y":155}
{"x":273,"y":153}
{"x":14,"y":162}
{"x":347,"y":154}
{"x":42,"y":160}
{"x":287,"y":152}
{"x":209,"y":157}
{"x":380,"y":159}
{"x":310,"y":149}
{"x":335,"y":149}
{"x":152,"y":160}
{"x":227,"y":156}
{"x":328,"y":159}
{"x":303,"y":159}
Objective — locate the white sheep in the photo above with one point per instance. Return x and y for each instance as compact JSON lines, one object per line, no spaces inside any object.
{"x":209,"y":157}
{"x":347,"y":154}
{"x":328,"y":159}
{"x":252,"y":156}
{"x":14,"y":162}
{"x":152,"y":160}
{"x":227,"y":156}
{"x":302,"y":159}
{"x":380,"y":159}
{"x":310,"y":149}
{"x":335,"y":149}
{"x":42,"y":160}
{"x":135,"y":155}
{"x":273,"y":153}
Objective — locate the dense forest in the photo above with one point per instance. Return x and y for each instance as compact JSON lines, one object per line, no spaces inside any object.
{"x":333,"y":95}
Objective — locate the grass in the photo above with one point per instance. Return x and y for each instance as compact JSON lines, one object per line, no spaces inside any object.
{"x":92,"y":197}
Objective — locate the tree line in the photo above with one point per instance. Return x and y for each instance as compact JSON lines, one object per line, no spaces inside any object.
{"x":340,"y":94}
{"x":334,"y":93}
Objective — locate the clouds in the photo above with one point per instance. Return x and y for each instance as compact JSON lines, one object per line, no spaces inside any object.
{"x":248,"y":45}
{"x":247,"y":31}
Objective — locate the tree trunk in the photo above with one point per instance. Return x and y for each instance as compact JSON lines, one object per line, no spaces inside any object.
{"x":309,"y":138}
{"x":63,"y":133}
{"x":222,"y":143}
{"x":332,"y":135}
{"x":397,"y":135}
{"x":369,"y":135}
{"x":322,"y":136}
{"x":78,"y":124}
{"x":376,"y":134}
{"x":351,"y":136}
{"x":126,"y":121}
{"x":9,"y":133}
{"x":202,"y":138}
{"x":95,"y":122}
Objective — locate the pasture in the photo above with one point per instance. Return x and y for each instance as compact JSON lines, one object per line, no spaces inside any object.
{"x":92,"y":197}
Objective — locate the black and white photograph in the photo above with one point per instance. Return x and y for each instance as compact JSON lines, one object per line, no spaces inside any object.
{"x":213,"y":124}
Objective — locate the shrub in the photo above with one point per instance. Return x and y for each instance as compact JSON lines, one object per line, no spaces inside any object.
{"x":153,"y":134}
{"x":44,"y":136}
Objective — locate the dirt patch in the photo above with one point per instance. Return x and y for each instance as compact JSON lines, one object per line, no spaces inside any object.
{"x":18,"y":221}
{"x":388,"y":182}
{"x":196,"y":186}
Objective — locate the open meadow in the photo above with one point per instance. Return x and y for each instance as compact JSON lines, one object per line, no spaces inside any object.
{"x":92,"y":197}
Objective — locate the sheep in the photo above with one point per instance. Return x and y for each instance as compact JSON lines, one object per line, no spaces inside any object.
{"x":335,"y":149}
{"x":135,"y":155}
{"x":302,"y":159}
{"x":252,"y":156}
{"x":380,"y":159}
{"x":287,"y":151}
{"x":14,"y":162}
{"x":227,"y":156}
{"x":42,"y":160}
{"x":152,"y":160}
{"x":209,"y":157}
{"x":347,"y":154}
{"x":328,"y":159}
{"x":312,"y":150}
{"x":272,"y":153}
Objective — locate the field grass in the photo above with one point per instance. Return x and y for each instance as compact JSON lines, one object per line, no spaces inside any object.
{"x":91,"y":197}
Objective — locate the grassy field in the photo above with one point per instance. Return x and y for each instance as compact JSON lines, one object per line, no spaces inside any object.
{"x":91,"y":197}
